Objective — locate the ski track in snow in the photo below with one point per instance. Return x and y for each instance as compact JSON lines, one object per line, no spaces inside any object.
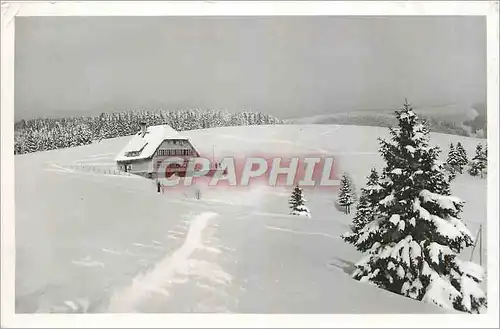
{"x":131,"y":296}
{"x":102,"y":155}
{"x":175,"y":232}
{"x":111,"y":251}
{"x":301,"y":232}
{"x":152,"y":246}
{"x":87,"y":263}
{"x":58,"y":168}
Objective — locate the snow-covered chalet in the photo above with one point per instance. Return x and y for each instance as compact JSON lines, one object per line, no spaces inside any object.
{"x":147,"y":149}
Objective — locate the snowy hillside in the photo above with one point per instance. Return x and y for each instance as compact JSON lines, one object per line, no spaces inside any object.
{"x":90,"y":240}
{"x":443,"y":119}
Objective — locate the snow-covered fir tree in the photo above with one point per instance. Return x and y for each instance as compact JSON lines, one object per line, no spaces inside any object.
{"x":367,"y":208}
{"x":479,"y":162}
{"x":453,"y":162}
{"x":412,"y":246}
{"x":451,"y":175}
{"x":297,"y":203}
{"x":346,"y":195}
{"x":454,"y":158}
{"x":463,"y":157}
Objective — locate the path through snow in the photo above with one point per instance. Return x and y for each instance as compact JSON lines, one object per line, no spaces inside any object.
{"x":156,"y":280}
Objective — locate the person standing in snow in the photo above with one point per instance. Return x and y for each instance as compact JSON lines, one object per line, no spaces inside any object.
{"x":158,"y":186}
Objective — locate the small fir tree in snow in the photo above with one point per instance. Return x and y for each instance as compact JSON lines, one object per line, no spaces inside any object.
{"x":346,"y":193}
{"x":463,"y":160}
{"x":453,"y":162}
{"x":479,"y":162}
{"x":367,"y":208}
{"x":297,"y":203}
{"x":412,"y":246}
{"x":454,"y":158}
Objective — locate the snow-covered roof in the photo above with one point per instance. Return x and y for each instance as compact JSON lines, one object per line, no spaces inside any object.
{"x":145,"y":146}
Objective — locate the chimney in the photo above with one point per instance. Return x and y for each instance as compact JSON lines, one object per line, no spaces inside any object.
{"x":143,"y":129}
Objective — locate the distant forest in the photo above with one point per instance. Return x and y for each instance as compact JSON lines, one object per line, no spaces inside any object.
{"x":43,"y":134}
{"x":477,"y":127}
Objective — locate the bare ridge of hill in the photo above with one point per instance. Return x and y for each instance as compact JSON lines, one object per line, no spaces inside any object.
{"x":449,"y":119}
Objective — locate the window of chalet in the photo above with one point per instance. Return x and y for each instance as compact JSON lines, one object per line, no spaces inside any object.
{"x":132,"y":153}
{"x":175,"y":152}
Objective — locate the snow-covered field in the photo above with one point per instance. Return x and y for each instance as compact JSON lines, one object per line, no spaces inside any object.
{"x":88,"y":240}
